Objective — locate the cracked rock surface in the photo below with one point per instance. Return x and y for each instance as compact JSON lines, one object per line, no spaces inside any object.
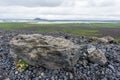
{"x":47,"y":51}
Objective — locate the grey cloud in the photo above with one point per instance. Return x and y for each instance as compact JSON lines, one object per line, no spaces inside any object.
{"x":31,"y":3}
{"x":101,"y":3}
{"x":60,"y":9}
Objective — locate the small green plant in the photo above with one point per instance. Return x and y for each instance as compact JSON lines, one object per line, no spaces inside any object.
{"x":21,"y":65}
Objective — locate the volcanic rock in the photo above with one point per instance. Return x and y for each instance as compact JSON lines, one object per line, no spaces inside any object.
{"x":96,"y":55}
{"x":106,"y":39}
{"x":47,"y":51}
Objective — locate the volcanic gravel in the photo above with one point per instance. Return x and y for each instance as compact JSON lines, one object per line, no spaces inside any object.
{"x":114,"y":32}
{"x":89,"y":71}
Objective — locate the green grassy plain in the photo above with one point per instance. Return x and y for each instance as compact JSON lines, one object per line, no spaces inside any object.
{"x":15,"y":25}
{"x":87,"y":29}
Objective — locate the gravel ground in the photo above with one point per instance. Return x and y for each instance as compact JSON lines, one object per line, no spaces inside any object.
{"x":89,"y":71}
{"x":114,"y":32}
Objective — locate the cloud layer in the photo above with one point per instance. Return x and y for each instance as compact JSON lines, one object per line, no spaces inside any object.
{"x":31,"y":3}
{"x":60,"y":9}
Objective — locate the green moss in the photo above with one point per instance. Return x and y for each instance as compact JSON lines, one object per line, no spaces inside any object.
{"x":21,"y":65}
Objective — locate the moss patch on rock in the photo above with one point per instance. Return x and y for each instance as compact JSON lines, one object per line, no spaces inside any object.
{"x":21,"y":65}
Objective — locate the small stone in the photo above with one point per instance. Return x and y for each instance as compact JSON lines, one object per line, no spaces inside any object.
{"x":67,"y":73}
{"x":85,"y":62}
{"x":77,"y":65}
{"x":111,"y":67}
{"x":52,"y":78}
{"x":16,"y":72}
{"x":103,"y":72}
{"x":90,"y":49}
{"x":71,"y":76}
{"x":118,"y":73}
{"x":34,"y":71}
{"x":37,"y":78}
{"x":108,"y":71}
{"x":55,"y":71}
{"x":65,"y":78}
{"x":104,"y":79}
{"x":7,"y":79}
{"x":42,"y":74}
{"x":95,"y":65}
{"x":40,"y":77}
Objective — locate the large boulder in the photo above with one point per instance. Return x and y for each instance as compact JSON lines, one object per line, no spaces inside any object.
{"x":47,"y":51}
{"x":105,"y":39}
{"x":96,"y":55}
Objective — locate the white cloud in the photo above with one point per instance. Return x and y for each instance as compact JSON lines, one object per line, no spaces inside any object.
{"x":30,"y":3}
{"x":61,"y":9}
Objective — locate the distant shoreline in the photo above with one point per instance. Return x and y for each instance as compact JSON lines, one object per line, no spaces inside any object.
{"x":58,"y":21}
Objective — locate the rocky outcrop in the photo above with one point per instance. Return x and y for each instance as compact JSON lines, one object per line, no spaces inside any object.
{"x":47,"y":51}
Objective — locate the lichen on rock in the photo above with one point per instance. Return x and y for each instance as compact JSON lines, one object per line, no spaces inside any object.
{"x":96,"y":55}
{"x":47,"y":51}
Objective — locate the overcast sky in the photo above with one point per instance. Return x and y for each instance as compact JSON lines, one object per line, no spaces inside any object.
{"x":60,"y":9}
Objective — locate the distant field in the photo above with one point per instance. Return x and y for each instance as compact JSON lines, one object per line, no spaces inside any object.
{"x":16,"y":25}
{"x":87,"y":29}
